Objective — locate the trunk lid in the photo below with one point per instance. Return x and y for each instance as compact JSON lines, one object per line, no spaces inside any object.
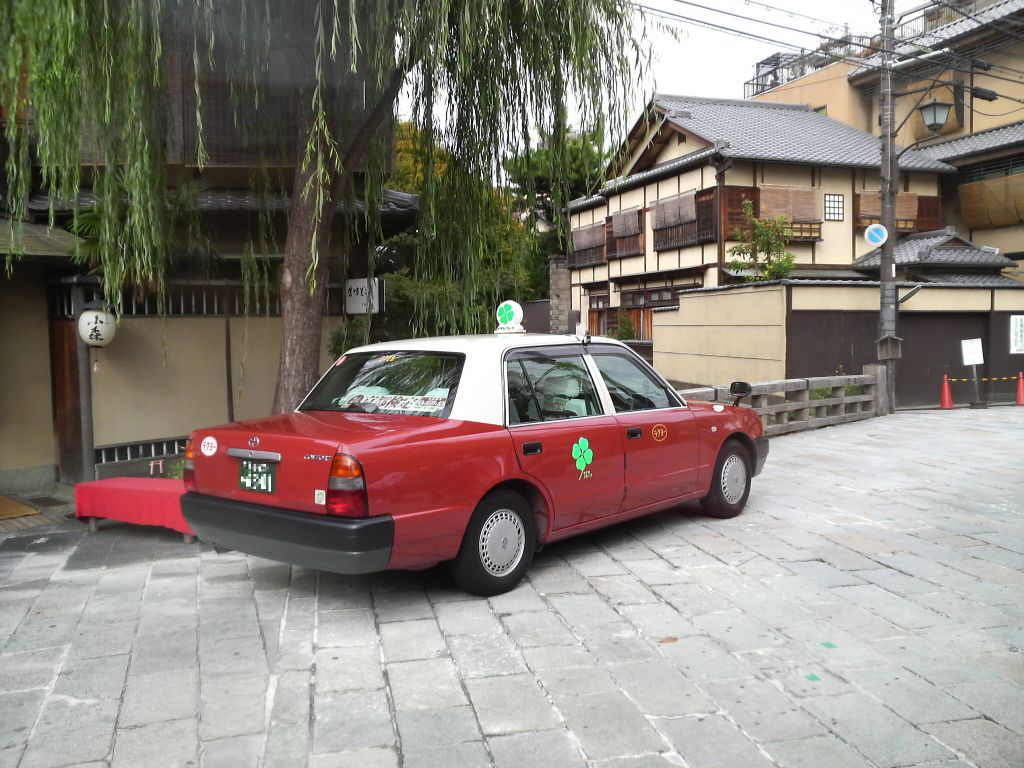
{"x":285,"y":460}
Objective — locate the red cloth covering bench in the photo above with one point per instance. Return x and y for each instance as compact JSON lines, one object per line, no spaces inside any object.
{"x":139,"y":500}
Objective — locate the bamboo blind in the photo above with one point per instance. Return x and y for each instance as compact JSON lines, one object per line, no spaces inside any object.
{"x":993,"y":202}
{"x":588,"y":237}
{"x":675,"y":210}
{"x":794,"y":203}
{"x":871,"y":205}
{"x":626,"y":223}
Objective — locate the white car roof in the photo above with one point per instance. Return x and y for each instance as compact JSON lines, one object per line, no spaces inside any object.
{"x":481,"y":393}
{"x":483,"y":343}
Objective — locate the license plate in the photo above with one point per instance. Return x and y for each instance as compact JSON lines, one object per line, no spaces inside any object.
{"x":256,"y":476}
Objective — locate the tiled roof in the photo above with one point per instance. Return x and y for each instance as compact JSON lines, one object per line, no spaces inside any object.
{"x":785,"y":133}
{"x":27,"y":239}
{"x":395,"y":203}
{"x":980,"y":279}
{"x":976,"y":143}
{"x":938,"y":248}
{"x":948,"y":33}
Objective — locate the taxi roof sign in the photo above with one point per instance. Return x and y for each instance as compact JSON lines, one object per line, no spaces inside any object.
{"x":510,"y":317}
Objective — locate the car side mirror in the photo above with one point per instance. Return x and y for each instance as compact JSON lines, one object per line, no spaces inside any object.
{"x":739,"y":390}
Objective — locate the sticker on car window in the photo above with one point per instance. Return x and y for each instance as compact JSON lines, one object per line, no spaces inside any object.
{"x":583,"y":454}
{"x":403,"y":403}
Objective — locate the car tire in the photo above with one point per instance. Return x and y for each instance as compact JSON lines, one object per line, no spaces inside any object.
{"x":498,"y":545}
{"x":730,"y":482}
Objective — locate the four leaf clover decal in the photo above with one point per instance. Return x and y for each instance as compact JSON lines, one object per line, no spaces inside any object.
{"x":583,"y":454}
{"x":505,"y":313}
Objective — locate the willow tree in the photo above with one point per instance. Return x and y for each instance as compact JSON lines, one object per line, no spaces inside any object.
{"x":87,"y":88}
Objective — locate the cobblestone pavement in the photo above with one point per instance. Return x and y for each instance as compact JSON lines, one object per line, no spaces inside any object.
{"x":865,"y":610}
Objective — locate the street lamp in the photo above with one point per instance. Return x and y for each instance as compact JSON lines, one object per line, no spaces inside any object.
{"x":935,"y":113}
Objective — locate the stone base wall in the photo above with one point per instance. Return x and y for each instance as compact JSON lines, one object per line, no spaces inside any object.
{"x":560,"y":293}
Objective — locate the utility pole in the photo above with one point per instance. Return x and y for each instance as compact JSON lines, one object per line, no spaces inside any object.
{"x":888,"y":342}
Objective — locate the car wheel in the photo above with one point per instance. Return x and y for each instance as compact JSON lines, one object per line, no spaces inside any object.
{"x":498,"y":545}
{"x":730,"y":483}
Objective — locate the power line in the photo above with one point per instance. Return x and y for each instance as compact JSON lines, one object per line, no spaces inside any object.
{"x":792,"y":14}
{"x":669,"y":15}
{"x":810,"y":32}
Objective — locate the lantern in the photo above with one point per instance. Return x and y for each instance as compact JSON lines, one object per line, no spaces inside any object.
{"x":935,"y":114}
{"x":96,"y":326}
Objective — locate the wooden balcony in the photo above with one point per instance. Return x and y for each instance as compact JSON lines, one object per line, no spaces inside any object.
{"x":586,"y":258}
{"x":928,"y":216}
{"x":703,"y":230}
{"x":805,"y":231}
{"x":633,"y":245}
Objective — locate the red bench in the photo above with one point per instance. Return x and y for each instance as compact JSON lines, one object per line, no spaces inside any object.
{"x":139,"y":500}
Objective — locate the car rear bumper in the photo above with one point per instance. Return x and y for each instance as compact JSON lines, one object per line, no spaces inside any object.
{"x":337,"y":544}
{"x":760,"y":453}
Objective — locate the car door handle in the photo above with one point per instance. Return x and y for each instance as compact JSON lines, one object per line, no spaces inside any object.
{"x":634,"y":433}
{"x":529,"y":449}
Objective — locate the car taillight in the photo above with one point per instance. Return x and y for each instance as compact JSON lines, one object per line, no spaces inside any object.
{"x":346,"y":488}
{"x":188,"y":472}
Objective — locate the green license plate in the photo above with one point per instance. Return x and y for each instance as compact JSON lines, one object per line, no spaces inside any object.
{"x":256,"y":476}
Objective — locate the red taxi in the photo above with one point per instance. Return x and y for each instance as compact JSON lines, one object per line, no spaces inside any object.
{"x":475,"y":450}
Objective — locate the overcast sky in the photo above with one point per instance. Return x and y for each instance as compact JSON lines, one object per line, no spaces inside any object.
{"x":705,"y":62}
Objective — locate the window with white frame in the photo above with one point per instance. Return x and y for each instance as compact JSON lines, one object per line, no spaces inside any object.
{"x":834,"y":207}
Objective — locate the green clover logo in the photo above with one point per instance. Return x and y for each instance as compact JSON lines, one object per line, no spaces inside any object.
{"x":583,"y":454}
{"x":505,"y":313}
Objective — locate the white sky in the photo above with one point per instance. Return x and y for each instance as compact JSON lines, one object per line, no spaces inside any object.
{"x":704,"y":62}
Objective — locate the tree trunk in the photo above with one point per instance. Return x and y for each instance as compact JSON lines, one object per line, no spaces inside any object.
{"x":302,"y":309}
{"x":302,"y":298}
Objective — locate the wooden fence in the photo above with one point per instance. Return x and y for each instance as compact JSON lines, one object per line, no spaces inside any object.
{"x":792,"y":405}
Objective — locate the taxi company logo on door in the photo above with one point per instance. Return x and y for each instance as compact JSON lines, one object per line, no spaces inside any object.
{"x":659,"y":432}
{"x":584,"y":455}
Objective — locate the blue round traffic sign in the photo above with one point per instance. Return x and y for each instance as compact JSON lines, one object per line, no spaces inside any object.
{"x":876,"y":234}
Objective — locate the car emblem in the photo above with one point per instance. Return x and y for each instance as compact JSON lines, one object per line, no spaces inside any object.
{"x":659,"y":432}
{"x":254,"y":441}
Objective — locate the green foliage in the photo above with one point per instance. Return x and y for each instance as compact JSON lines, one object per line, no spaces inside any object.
{"x":579,"y":159}
{"x":762,"y":247}
{"x":93,"y":75}
{"x":577,"y":164}
{"x":626,"y":330}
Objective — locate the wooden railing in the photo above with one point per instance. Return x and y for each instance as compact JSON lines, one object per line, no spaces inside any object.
{"x":586,"y":257}
{"x":805,"y":230}
{"x":792,"y":405}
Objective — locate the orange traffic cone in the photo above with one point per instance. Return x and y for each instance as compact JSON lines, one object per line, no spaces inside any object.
{"x":1020,"y":388}
{"x":946,"y":403}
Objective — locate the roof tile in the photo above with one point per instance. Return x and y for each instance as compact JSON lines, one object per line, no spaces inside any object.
{"x":785,"y":133}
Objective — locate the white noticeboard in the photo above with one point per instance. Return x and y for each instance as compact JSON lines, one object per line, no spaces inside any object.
{"x":1017,"y":334}
{"x":972,"y":352}
{"x":363,"y":296}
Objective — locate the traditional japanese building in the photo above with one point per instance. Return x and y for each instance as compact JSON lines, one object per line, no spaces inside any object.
{"x":667,"y":222}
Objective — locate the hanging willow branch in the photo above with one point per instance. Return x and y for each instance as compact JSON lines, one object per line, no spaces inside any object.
{"x":86,"y":98}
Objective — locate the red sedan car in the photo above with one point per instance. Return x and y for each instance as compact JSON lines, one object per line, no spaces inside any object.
{"x":471,"y":449}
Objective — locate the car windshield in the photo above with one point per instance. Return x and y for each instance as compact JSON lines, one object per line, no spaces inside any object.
{"x":405,"y":383}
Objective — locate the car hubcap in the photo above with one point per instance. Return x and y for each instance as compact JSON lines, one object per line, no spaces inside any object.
{"x":734,"y":479}
{"x":501,"y":542}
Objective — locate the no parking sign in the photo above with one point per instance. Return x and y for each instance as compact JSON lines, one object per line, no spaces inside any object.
{"x":876,"y":234}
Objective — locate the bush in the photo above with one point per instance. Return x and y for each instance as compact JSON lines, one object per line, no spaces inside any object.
{"x":626,"y":329}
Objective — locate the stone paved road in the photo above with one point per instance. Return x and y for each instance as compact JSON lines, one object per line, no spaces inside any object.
{"x":866,"y":610}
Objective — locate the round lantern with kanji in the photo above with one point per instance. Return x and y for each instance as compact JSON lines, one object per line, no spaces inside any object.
{"x":96,"y":326}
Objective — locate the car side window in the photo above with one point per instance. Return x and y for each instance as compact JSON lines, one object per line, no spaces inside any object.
{"x":550,"y":388}
{"x":522,"y":405}
{"x":630,"y":386}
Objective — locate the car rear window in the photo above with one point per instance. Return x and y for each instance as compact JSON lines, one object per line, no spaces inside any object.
{"x":405,"y":383}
